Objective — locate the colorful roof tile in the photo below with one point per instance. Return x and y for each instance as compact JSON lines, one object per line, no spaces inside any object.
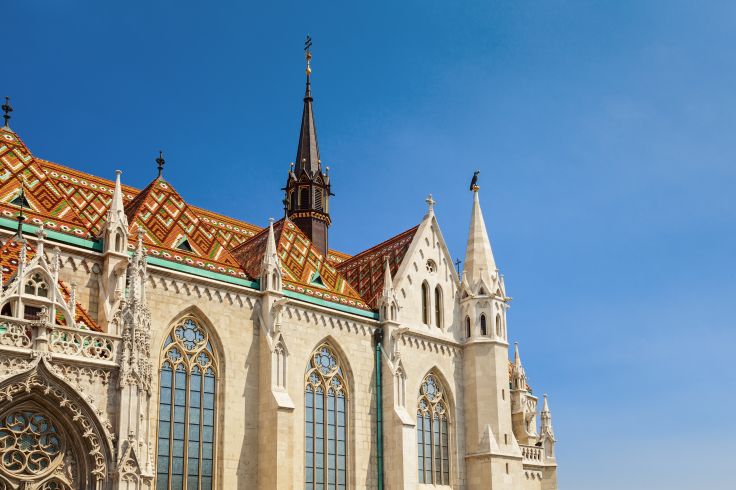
{"x":365,"y":270}
{"x":304,"y":268}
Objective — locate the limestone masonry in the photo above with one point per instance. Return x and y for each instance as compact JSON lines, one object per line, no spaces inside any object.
{"x":147,"y":343}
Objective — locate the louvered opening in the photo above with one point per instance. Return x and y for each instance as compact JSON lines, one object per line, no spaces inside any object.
{"x":185,"y":246}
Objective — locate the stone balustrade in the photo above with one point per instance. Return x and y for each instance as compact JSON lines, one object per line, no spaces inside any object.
{"x":20,"y":335}
{"x":532,"y":454}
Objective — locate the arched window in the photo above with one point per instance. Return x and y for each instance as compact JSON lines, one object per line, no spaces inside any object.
{"x":467,"y":327}
{"x":483,"y":328}
{"x":36,"y":286}
{"x":499,"y":331}
{"x":438,"y":306}
{"x":432,"y":433}
{"x":425,"y":303}
{"x":187,"y":405}
{"x":325,"y":421}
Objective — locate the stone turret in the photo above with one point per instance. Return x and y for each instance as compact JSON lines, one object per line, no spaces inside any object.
{"x":489,"y":433}
{"x":523,"y":403}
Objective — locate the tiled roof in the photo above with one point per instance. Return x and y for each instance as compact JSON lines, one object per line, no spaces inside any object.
{"x":365,"y":270}
{"x":9,"y":259}
{"x":48,"y":204}
{"x":304,"y":269}
{"x":76,"y":203}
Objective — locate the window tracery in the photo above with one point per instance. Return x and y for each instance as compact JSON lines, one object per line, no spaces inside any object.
{"x":33,"y":448}
{"x":326,"y":418}
{"x":36,"y":285}
{"x":187,"y":408}
{"x":432,"y":433}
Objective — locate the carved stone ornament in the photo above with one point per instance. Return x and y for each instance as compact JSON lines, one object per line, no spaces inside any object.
{"x":48,"y":430}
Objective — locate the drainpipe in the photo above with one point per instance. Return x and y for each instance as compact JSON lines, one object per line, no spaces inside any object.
{"x":378,"y":338}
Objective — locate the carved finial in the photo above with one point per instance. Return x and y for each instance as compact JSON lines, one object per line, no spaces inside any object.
{"x":7,"y":109}
{"x":430,"y":203}
{"x":474,"y":181}
{"x":160,"y":162}
{"x":40,"y":239}
{"x":139,"y":244}
{"x":73,"y":303}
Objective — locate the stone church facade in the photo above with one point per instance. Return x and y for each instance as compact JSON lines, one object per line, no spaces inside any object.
{"x":148,"y":343}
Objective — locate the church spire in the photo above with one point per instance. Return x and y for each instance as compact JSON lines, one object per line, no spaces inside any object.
{"x":307,"y":187}
{"x":479,"y":262}
{"x":307,"y":154}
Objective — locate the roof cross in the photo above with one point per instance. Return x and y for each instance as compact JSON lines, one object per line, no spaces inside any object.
{"x":7,"y":109}
{"x":430,"y":203}
{"x":308,"y":54}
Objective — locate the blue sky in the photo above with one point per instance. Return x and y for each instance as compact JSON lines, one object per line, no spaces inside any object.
{"x":604,"y":136}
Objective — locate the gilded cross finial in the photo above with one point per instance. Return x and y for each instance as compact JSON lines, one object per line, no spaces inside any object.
{"x":7,"y":109}
{"x":308,"y":54}
{"x":160,"y":161}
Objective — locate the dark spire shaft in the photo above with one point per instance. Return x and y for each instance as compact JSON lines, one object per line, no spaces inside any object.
{"x":307,"y":154}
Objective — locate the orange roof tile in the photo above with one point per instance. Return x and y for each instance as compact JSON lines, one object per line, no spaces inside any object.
{"x":365,"y":270}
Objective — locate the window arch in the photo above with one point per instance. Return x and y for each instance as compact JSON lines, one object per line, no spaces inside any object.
{"x":432,"y":433}
{"x":438,"y":306}
{"x":325,"y":421}
{"x":425,"y":303}
{"x":483,"y":327}
{"x":467,"y":327}
{"x":499,"y":330}
{"x":36,"y":285}
{"x":187,"y":407}
{"x":304,"y":198}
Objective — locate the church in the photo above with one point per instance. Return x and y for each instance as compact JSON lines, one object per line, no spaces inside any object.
{"x":147,"y":343}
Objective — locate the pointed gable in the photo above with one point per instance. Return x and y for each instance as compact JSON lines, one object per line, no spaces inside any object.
{"x":365,"y":270}
{"x":10,"y":253}
{"x":167,"y":220}
{"x":48,"y":204}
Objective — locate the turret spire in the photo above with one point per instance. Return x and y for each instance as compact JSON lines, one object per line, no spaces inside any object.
{"x":307,"y":155}
{"x":479,"y":261}
{"x":518,"y":375}
{"x":307,"y":187}
{"x":547,"y":419}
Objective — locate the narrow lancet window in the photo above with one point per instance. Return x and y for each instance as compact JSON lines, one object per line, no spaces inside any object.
{"x":187,"y":405}
{"x":325,"y":421}
{"x":432,"y":434}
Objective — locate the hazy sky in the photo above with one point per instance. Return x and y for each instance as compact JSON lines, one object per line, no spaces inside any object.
{"x":604,"y":132}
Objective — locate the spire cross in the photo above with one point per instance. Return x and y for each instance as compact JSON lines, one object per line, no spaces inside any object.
{"x":160,"y":161}
{"x":308,"y":57}
{"x":457,"y":265}
{"x":430,"y":202}
{"x":7,"y":109}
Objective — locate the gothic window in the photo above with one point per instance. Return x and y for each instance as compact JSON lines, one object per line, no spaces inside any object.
{"x":36,"y":286}
{"x":425,"y":303}
{"x":325,"y":421}
{"x":432,"y":433}
{"x":438,"y":306}
{"x":483,"y":327}
{"x":187,"y":408}
{"x":499,"y":332}
{"x":467,"y":327}
{"x":33,"y":449}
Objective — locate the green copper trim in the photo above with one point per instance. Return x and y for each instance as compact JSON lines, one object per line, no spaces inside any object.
{"x":56,"y":236}
{"x":96,"y":245}
{"x":167,"y":264}
{"x":333,"y":306}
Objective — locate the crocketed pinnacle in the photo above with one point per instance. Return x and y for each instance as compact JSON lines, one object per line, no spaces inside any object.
{"x":479,"y":262}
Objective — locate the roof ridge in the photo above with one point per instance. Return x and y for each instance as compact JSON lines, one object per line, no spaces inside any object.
{"x":376,"y":247}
